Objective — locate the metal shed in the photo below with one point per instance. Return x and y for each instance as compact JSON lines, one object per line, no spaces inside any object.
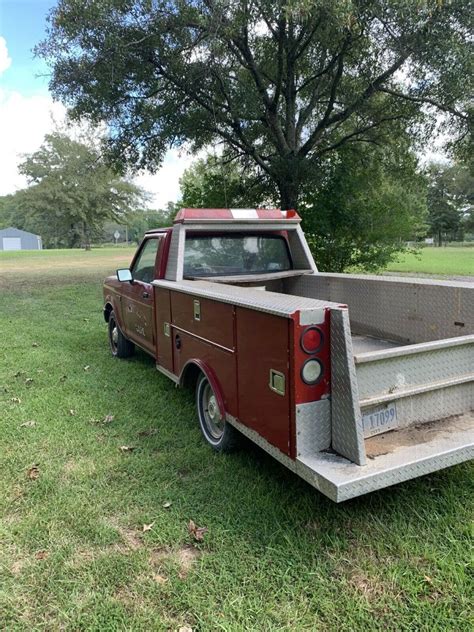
{"x":16,"y":239}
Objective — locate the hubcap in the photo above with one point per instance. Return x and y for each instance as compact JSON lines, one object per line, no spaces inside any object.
{"x":115,"y":335}
{"x":212,"y":417}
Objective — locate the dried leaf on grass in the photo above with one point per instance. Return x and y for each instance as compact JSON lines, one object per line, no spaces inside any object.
{"x":28,"y":380}
{"x":33,"y":472}
{"x":108,"y":419}
{"x":126,"y":448}
{"x":148,"y":527}
{"x":159,"y":579}
{"x":28,"y":424}
{"x":87,"y":367}
{"x":72,"y":412}
{"x":15,"y":400}
{"x":167,"y":504}
{"x":196,"y":532}
{"x":41,"y":555}
{"x":35,"y":344}
{"x":185,"y":628}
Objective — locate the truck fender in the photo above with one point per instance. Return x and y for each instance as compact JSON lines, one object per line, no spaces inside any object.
{"x":211,"y":376}
{"x":109,"y":305}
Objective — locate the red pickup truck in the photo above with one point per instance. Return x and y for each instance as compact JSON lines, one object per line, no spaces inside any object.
{"x":354,"y":382}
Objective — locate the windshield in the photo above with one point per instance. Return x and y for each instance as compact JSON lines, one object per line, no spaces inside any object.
{"x":229,"y":255}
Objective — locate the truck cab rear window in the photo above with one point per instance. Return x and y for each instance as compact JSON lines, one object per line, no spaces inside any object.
{"x":229,"y":255}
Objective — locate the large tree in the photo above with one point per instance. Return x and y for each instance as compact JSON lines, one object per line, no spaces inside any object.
{"x":281,"y":83}
{"x":71,"y":193}
{"x":358,"y":210}
{"x":450,"y":200}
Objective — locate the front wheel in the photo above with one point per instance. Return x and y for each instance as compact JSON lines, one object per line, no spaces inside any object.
{"x":119,"y":345}
{"x":216,"y":430}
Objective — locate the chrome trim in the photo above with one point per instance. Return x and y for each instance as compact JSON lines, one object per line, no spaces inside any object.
{"x":214,"y":344}
{"x":171,"y":376}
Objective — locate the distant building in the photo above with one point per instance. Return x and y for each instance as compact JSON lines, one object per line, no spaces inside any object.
{"x":15,"y":239}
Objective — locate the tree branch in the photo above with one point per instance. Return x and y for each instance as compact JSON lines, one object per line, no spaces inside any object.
{"x":427,"y":100}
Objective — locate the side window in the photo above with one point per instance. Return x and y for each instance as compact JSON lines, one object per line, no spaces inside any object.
{"x":144,"y":267}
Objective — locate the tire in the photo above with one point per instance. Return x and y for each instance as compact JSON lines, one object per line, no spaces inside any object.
{"x":120,"y":347}
{"x":218,"y":433}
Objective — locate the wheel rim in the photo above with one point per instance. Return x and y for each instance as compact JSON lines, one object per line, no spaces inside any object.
{"x":211,"y":416}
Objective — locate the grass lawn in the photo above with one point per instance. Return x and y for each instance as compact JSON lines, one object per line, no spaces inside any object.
{"x":439,"y":261}
{"x":276,"y":555}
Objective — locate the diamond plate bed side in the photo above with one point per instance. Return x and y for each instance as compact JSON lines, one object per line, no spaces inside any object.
{"x":347,"y":429}
{"x":313,"y":427}
{"x":405,"y":310}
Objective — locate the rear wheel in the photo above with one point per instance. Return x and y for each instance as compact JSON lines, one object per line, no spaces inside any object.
{"x":119,"y":345}
{"x":216,"y":430}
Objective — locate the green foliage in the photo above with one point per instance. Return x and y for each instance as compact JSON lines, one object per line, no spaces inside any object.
{"x":282,"y":84}
{"x":141,"y":220}
{"x":358,"y":209}
{"x":450,"y":201}
{"x":71,"y":193}
{"x":212,"y":182}
{"x":371,"y":201}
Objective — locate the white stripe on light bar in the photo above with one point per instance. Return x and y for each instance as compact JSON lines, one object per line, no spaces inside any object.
{"x":244,"y":213}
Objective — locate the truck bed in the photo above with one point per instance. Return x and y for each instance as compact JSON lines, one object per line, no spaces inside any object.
{"x":401,"y":349}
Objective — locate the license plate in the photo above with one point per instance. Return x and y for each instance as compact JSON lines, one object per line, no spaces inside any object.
{"x":380,"y":420}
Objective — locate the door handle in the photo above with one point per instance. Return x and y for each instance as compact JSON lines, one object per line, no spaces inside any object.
{"x":145,"y":295}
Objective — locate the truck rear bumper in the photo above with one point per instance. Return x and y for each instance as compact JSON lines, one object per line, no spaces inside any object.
{"x":392,"y":458}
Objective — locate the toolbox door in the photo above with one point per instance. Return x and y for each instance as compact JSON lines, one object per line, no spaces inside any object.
{"x":263,"y":375}
{"x":164,"y":346}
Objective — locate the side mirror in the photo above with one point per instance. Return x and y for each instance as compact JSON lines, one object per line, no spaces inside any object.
{"x":124,"y":275}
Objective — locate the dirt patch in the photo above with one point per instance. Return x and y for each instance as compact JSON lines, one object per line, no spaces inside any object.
{"x":413,"y":435}
{"x":17,"y":566}
{"x":185,"y":557}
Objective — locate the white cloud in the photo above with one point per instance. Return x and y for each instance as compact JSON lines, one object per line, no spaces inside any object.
{"x":5,"y":60}
{"x":24,"y":121}
{"x":164,"y":185}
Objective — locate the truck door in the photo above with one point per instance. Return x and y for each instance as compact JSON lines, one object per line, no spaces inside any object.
{"x":137,"y":311}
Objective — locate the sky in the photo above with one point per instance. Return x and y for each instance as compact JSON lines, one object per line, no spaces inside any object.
{"x":28,"y":112}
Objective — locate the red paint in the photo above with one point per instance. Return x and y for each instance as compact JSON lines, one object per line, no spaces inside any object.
{"x":305,"y":392}
{"x":216,"y":321}
{"x":262,"y":344}
{"x":226,"y":215}
{"x":164,"y":344}
{"x":165,"y":249}
{"x":221,"y":362}
{"x":211,"y":376}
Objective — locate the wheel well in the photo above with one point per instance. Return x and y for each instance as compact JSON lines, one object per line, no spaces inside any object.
{"x":190,"y":376}
{"x":107,"y":309}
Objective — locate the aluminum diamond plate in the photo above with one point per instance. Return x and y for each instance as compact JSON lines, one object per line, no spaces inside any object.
{"x":313,"y":427}
{"x":406,"y":310}
{"x":347,"y":429}
{"x":394,"y":374}
{"x":271,"y":302}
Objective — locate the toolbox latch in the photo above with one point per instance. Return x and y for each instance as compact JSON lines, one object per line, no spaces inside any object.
{"x":197,"y":309}
{"x":277,"y":382}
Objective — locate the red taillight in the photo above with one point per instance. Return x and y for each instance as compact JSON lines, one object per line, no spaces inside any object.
{"x":312,"y":340}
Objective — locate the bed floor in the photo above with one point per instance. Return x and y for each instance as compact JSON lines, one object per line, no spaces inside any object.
{"x":365,"y":344}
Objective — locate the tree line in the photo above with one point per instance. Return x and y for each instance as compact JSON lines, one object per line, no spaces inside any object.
{"x":313,"y":104}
